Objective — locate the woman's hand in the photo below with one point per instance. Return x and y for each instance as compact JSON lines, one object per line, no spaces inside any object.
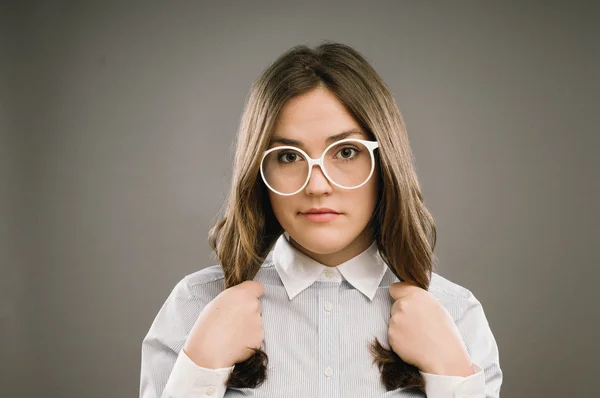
{"x":423,"y":334}
{"x":228,"y":327}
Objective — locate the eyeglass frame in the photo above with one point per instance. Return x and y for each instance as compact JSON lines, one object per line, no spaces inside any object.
{"x":371,"y":146}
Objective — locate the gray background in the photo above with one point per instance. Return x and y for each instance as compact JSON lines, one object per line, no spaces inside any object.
{"x":117,"y":125}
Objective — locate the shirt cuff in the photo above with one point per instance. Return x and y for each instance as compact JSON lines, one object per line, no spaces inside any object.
{"x":440,"y":386}
{"x":189,"y":380}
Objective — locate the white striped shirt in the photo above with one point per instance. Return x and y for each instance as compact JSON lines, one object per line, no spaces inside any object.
{"x":318,"y":323}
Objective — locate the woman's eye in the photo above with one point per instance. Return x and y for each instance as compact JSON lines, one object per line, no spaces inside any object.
{"x":347,"y":153}
{"x":287,"y":157}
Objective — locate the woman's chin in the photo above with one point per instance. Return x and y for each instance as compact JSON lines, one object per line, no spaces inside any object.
{"x":324,"y":242}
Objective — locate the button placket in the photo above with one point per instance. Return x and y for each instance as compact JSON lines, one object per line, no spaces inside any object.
{"x":328,"y":338}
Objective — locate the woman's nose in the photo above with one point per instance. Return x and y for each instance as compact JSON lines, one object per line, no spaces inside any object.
{"x":318,"y":184}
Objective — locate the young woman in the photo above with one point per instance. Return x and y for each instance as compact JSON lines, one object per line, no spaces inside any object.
{"x":326,"y":284}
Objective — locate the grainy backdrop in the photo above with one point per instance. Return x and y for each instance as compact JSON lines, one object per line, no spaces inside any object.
{"x":117,"y":123}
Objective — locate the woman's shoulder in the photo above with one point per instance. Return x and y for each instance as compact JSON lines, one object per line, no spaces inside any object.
{"x":458,"y":300}
{"x":214,"y":274}
{"x":210,"y":274}
{"x":443,"y":286}
{"x":202,"y":285}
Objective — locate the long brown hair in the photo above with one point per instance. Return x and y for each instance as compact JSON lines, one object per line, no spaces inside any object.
{"x":402,"y":227}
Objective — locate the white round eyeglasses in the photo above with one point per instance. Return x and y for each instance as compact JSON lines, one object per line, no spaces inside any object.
{"x":347,"y":164}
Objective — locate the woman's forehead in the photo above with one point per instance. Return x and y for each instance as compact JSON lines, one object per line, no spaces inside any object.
{"x":314,"y":119}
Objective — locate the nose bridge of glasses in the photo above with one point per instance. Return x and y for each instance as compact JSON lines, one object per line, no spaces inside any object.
{"x":312,"y":162}
{"x":311,"y":172}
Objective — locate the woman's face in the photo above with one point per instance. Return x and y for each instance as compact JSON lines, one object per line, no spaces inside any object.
{"x":310,"y":119}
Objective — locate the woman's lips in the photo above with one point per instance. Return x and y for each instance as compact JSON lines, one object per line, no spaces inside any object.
{"x":320,"y":217}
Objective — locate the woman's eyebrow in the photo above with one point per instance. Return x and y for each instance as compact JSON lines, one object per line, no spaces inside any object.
{"x":329,"y":140}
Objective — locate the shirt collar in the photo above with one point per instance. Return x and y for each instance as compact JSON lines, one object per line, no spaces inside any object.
{"x":298,"y":271}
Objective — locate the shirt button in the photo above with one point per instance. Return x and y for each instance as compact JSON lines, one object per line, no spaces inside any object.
{"x":328,"y":371}
{"x":211,"y":390}
{"x":329,"y":273}
{"x":328,"y":306}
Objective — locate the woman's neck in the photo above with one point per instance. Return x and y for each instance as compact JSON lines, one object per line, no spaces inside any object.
{"x":353,"y":249}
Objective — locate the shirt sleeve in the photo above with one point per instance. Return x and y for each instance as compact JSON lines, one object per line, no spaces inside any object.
{"x":438,"y":386}
{"x":163,"y":344}
{"x":188,"y":380}
{"x":483,"y":350}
